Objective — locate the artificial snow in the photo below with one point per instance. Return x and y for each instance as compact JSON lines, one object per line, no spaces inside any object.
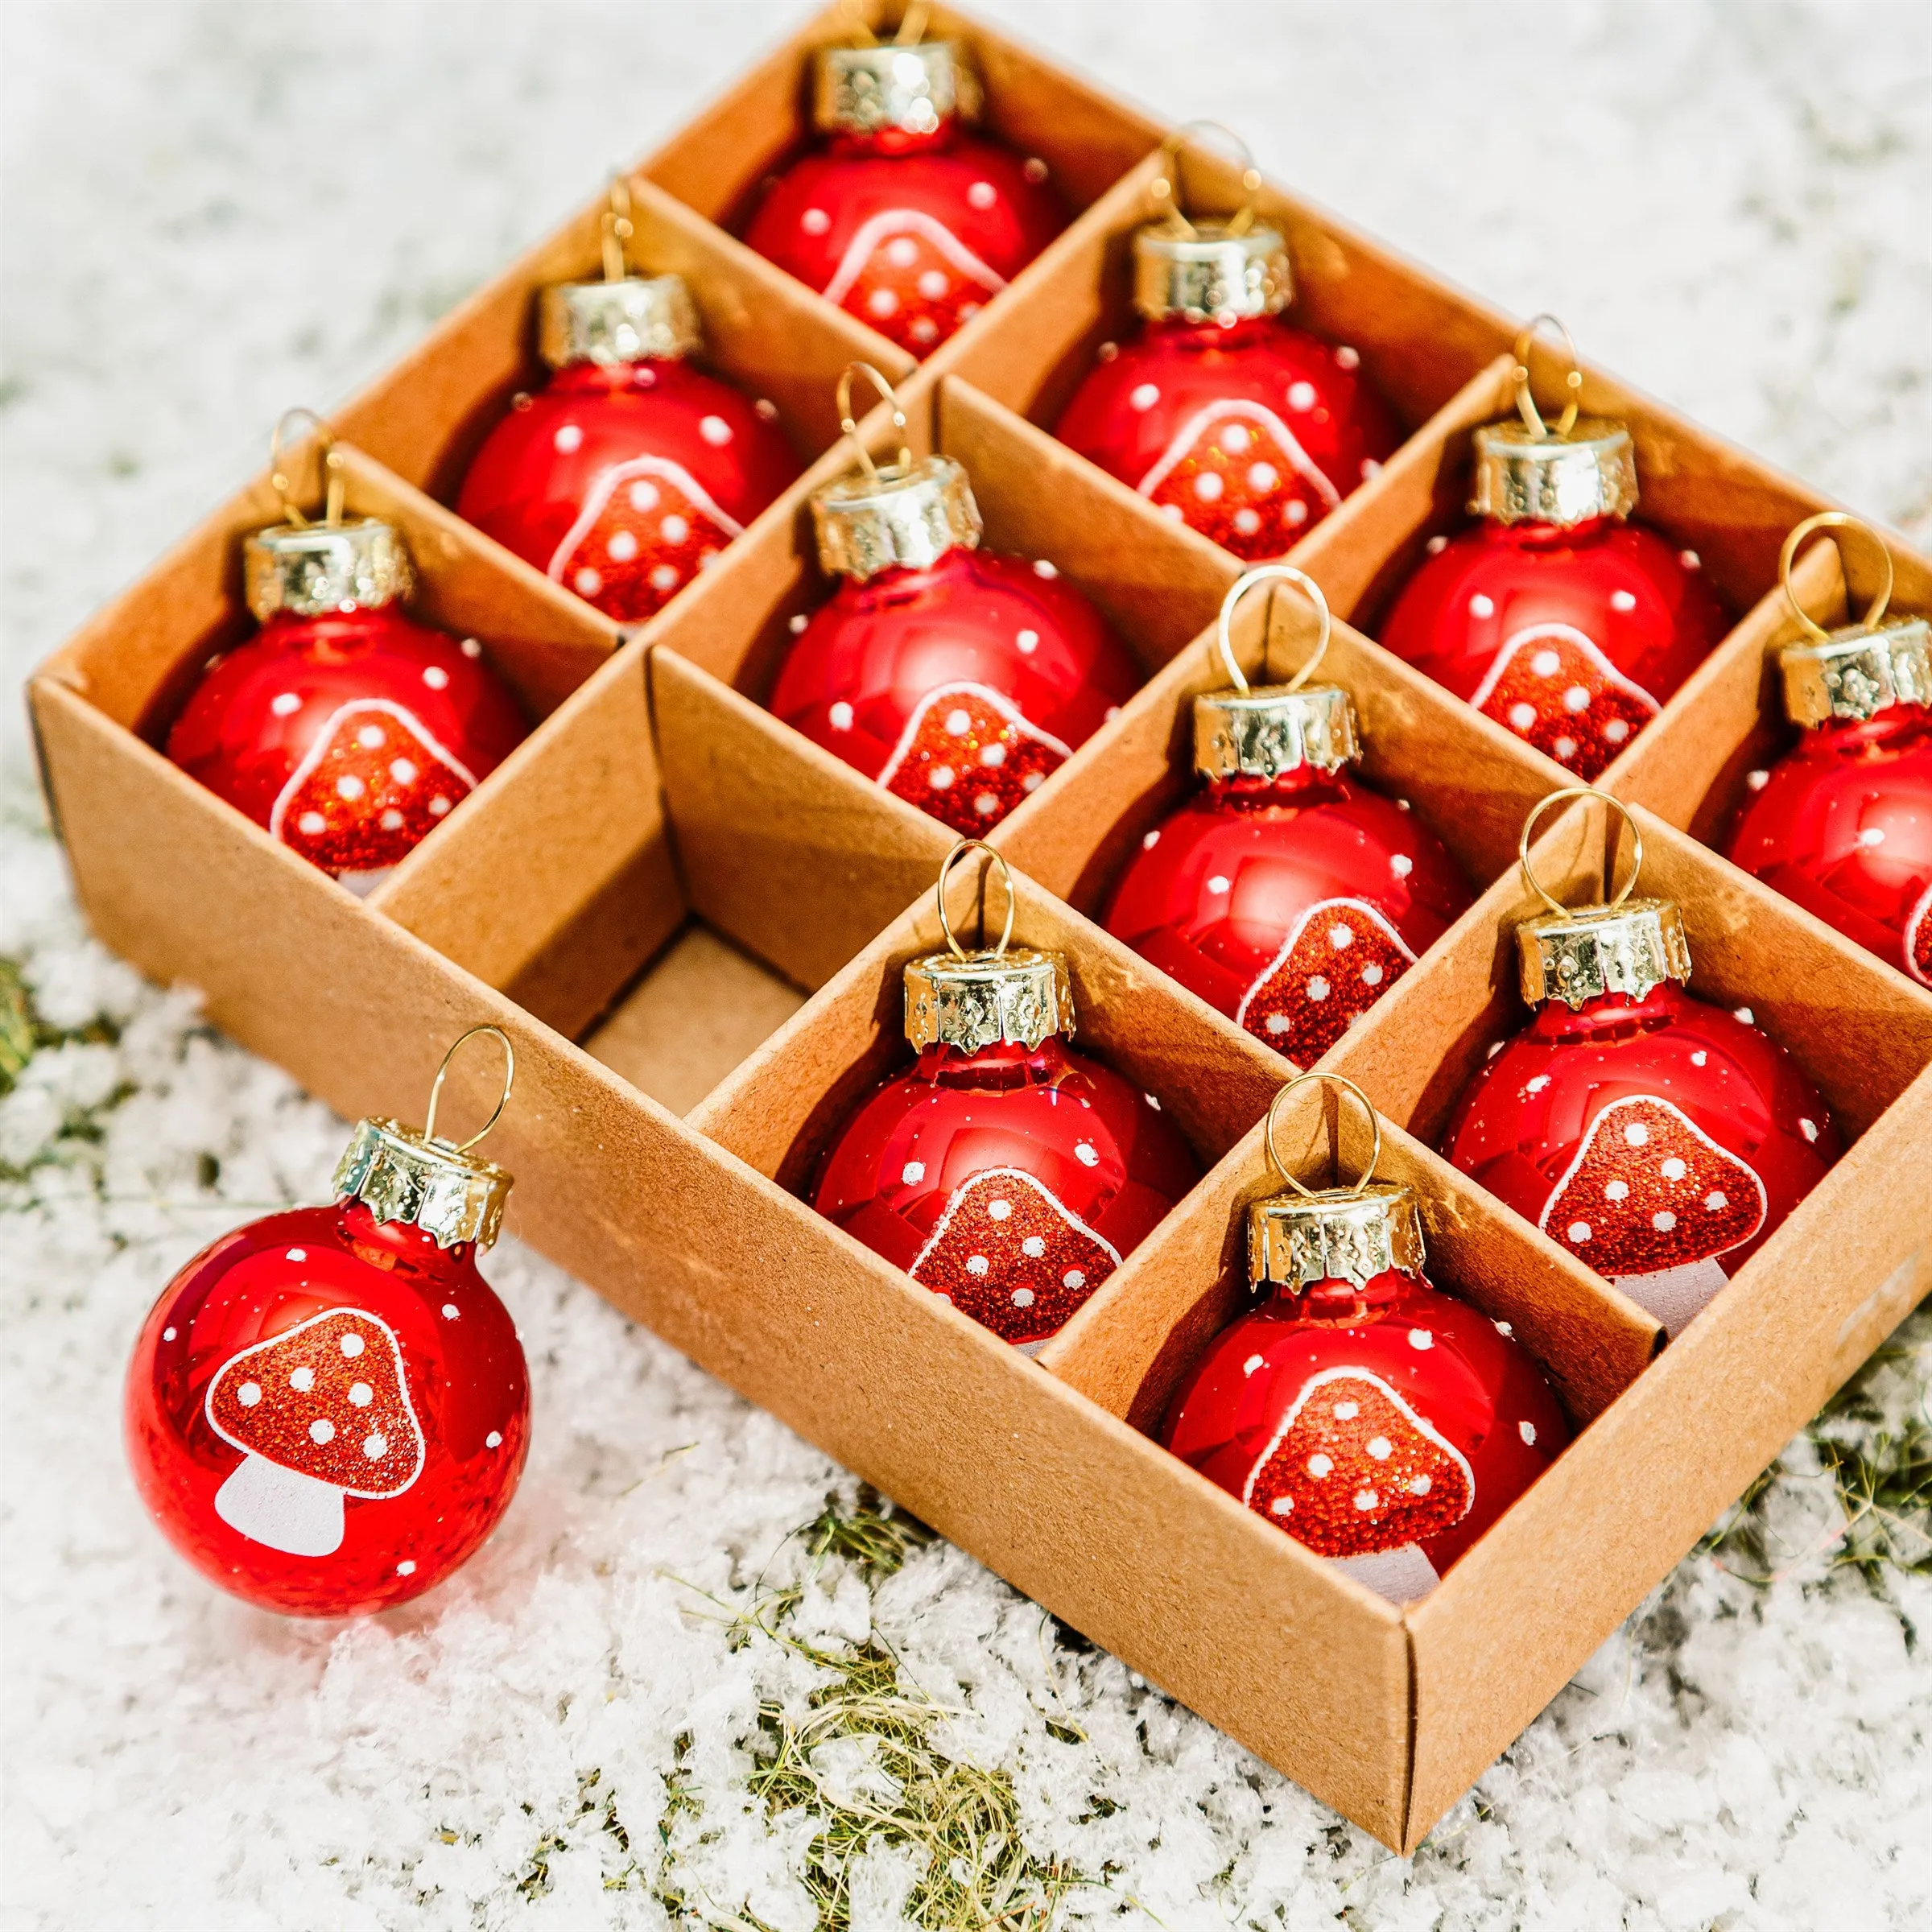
{"x":215,"y":211}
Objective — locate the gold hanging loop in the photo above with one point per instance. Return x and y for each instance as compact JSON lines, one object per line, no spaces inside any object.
{"x":435,"y":1091}
{"x":1559,"y":798}
{"x":849,"y":424}
{"x":335,"y":484}
{"x":860,"y":27}
{"x":1375,"y":1127}
{"x":952,"y":858}
{"x":1573,"y":382}
{"x":912,"y":24}
{"x":1834,"y":519}
{"x":618,"y":229}
{"x":1270,"y":573}
{"x":1166,"y":187}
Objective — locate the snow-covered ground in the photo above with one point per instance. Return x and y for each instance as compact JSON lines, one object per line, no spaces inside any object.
{"x":214,"y":210}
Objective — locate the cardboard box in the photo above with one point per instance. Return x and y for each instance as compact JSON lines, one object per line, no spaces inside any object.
{"x":663,"y":873}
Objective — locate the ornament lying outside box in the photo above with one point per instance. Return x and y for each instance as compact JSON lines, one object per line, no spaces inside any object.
{"x":554,"y":887}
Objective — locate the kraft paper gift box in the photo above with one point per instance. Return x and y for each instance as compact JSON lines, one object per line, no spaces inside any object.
{"x":645,"y":894}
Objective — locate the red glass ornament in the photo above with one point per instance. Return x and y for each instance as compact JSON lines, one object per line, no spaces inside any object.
{"x":1013,"y":1180}
{"x":327,"y":1413}
{"x":960,"y":686}
{"x":349,"y":735}
{"x":1571,"y":637}
{"x":1291,"y":905}
{"x":1842,"y":825}
{"x":913,"y":232}
{"x":1659,"y":1139}
{"x":1369,"y":1421}
{"x":1004,"y":1170}
{"x":1250,"y":431}
{"x":622,"y":480}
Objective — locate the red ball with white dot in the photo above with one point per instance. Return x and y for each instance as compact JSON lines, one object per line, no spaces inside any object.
{"x":631,"y":470}
{"x":1287,"y":894}
{"x":959,"y":680}
{"x":1660,"y":1139}
{"x":903,"y":218}
{"x":1380,"y":1423}
{"x":1005,"y":1171}
{"x":344,"y":727}
{"x":327,"y":1412}
{"x":1221,"y":414}
{"x":1556,"y":616}
{"x":1842,"y":824}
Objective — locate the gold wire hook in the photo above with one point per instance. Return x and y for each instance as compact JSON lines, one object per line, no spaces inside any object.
{"x":335,"y":483}
{"x":617,"y":229}
{"x":1165,"y":186}
{"x":1573,"y":383}
{"x":1834,"y":519}
{"x":952,"y":858}
{"x":849,"y":424}
{"x":912,"y":24}
{"x":1557,"y":798}
{"x":1270,"y":573}
{"x":435,"y":1091}
{"x":1375,"y":1126}
{"x":862,"y":34}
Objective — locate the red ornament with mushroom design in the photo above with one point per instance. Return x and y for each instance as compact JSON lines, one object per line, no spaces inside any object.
{"x":1285,"y":893}
{"x":345,"y":729}
{"x":958,"y":679}
{"x":1379,"y":1421}
{"x":1842,"y":824}
{"x":1219,"y":411}
{"x":630,"y":471}
{"x":328,"y":1409}
{"x":1005,"y":1171}
{"x":903,"y":218}
{"x":1660,"y":1138}
{"x":1555,"y":614}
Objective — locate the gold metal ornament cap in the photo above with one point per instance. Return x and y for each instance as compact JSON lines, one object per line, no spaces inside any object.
{"x":634,"y":319}
{"x":1587,"y":951}
{"x":1273,"y":729}
{"x":905,"y":518}
{"x":911,"y":90}
{"x":312,"y":570}
{"x":1858,"y":672}
{"x":1295,"y":1240}
{"x":1564,"y":480}
{"x":1215,"y":274}
{"x":975,"y":999}
{"x":403,"y":1176}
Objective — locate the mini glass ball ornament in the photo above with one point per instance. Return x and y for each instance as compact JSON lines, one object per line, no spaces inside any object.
{"x":328,"y":1409}
{"x":1660,"y":1139}
{"x":1841,"y":824}
{"x":959,"y":679}
{"x":1005,"y":1171}
{"x":900,"y":216}
{"x":346,"y":729}
{"x":1380,"y":1421}
{"x":1219,"y":411}
{"x":632,"y":469}
{"x":1556,"y":615}
{"x":1284,"y":893}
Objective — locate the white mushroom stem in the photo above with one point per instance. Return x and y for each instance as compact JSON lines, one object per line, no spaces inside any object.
{"x":283,"y":1507}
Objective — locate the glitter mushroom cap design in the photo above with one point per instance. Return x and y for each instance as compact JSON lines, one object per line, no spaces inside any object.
{"x":320,"y":1411}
